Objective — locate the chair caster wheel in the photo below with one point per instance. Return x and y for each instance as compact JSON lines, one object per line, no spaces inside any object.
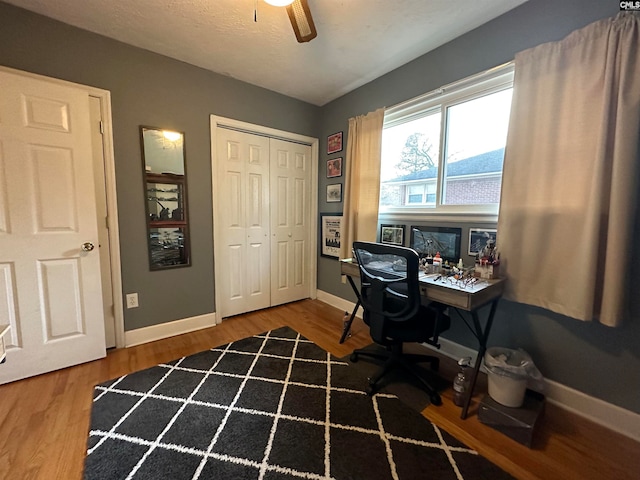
{"x":371,"y":387}
{"x":354,"y":357}
{"x":435,"y":399}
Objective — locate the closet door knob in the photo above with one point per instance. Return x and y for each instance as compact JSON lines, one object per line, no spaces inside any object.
{"x":87,"y":246}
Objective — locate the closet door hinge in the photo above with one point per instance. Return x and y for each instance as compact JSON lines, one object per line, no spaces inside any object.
{"x":101,"y":128}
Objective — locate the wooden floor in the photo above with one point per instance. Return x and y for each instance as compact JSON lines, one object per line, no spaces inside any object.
{"x":44,"y":420}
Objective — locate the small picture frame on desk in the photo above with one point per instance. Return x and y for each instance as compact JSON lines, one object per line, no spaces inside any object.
{"x":392,"y":234}
{"x":430,"y":240}
{"x":478,"y":238}
{"x":330,"y":229}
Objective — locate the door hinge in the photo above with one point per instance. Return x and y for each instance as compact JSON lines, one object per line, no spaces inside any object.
{"x":101,"y":128}
{"x":106,"y":222}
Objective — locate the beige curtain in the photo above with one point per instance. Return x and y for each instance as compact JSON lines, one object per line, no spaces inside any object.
{"x":571,"y":170}
{"x":362,"y":180}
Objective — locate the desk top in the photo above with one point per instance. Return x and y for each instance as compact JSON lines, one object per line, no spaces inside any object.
{"x":442,"y":290}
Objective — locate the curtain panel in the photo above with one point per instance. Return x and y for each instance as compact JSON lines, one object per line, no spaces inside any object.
{"x":362,"y":180}
{"x":571,"y":171}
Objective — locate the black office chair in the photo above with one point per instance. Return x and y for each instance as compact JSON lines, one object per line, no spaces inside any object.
{"x":393,"y":309}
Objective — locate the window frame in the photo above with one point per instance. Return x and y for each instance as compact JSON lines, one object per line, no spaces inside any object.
{"x":438,"y":100}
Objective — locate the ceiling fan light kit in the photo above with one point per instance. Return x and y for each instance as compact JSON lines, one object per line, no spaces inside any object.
{"x":301,"y":21}
{"x":279,"y":3}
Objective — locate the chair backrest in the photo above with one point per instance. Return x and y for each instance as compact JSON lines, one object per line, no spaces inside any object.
{"x":388,"y":285}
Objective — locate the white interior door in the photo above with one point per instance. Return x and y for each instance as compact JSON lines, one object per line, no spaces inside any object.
{"x":290,"y":179}
{"x":101,"y":215}
{"x":50,"y":289}
{"x":242,"y":229}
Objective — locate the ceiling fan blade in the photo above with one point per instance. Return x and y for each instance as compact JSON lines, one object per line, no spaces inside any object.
{"x":301,"y":21}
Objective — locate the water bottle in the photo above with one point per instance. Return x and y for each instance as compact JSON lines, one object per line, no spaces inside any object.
{"x":345,"y":323}
{"x":461,"y":382}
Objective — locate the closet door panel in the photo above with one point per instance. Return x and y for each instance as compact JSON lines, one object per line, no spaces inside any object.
{"x":291,"y":211}
{"x":243,"y":232}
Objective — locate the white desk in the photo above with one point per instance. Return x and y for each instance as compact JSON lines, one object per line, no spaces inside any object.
{"x":468,"y":298}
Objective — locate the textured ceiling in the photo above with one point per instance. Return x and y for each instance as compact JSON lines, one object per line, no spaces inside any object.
{"x":358,"y":40}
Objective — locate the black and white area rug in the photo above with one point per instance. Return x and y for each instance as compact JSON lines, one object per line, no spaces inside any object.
{"x":274,"y":406}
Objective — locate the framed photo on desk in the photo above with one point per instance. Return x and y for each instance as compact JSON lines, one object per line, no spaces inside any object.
{"x":393,"y":234}
{"x":429,"y":240}
{"x":478,"y":238}
{"x":330,"y":229}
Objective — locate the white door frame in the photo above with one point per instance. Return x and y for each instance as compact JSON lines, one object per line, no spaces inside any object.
{"x":110,"y":186}
{"x":217,"y":121}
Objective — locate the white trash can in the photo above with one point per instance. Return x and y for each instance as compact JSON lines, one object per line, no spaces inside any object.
{"x":505,"y":390}
{"x":508,"y":374}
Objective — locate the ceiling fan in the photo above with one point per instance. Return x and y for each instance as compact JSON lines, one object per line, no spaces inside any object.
{"x":300,"y":17}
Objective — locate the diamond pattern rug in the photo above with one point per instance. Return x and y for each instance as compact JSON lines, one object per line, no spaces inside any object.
{"x":274,"y":406}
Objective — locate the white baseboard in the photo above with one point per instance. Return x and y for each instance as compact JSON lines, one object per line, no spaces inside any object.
{"x":338,"y":302}
{"x":598,"y":411}
{"x":594,"y":409}
{"x":168,"y":329}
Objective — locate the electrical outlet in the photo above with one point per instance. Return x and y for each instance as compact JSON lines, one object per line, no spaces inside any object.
{"x":132,"y":300}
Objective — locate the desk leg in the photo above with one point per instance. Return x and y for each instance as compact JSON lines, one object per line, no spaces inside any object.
{"x":347,"y":325}
{"x":482,"y":339}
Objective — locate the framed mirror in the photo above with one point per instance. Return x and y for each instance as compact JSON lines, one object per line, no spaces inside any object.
{"x":165,"y":189}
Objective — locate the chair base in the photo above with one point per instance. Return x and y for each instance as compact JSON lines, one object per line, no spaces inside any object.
{"x":393,"y":359}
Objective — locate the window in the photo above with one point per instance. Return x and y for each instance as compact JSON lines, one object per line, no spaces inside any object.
{"x":443,"y":152}
{"x":421,"y":193}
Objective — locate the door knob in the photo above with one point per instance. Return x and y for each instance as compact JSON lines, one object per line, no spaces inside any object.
{"x":87,"y":246}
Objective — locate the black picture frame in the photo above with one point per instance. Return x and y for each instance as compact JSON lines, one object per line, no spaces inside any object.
{"x":330,"y":230}
{"x":334,"y":193}
{"x":429,"y":240}
{"x":392,"y":234}
{"x":334,"y":143}
{"x":334,"y":167}
{"x":478,"y":238}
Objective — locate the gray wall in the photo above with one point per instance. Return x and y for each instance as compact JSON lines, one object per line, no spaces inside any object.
{"x":149,"y":89}
{"x":588,"y":357}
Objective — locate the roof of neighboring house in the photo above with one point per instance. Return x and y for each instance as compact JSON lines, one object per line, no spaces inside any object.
{"x":488,"y":162}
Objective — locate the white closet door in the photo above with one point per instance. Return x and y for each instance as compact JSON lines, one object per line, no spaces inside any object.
{"x":242,"y":234}
{"x":50,"y":289}
{"x":290,"y":180}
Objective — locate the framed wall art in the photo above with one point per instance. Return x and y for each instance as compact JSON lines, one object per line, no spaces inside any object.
{"x":334,"y":167}
{"x":334,"y":193}
{"x":393,"y":234}
{"x":428,"y":241}
{"x":334,"y":143}
{"x":478,"y":238}
{"x":330,"y":227}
